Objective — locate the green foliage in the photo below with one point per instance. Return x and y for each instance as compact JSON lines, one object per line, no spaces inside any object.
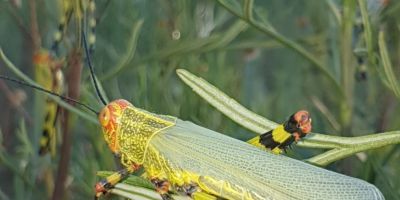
{"x":274,"y":57}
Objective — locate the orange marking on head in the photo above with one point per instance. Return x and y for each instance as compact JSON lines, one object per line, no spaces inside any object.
{"x":109,"y":119}
{"x":303,"y":119}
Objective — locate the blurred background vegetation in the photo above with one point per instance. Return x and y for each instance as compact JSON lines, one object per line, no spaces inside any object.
{"x":284,"y":56}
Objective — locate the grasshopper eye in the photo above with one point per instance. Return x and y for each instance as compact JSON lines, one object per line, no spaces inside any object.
{"x":104,"y":117}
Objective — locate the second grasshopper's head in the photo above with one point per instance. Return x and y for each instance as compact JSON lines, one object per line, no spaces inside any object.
{"x":110,"y":118}
{"x":303,"y":120}
{"x":299,"y":124}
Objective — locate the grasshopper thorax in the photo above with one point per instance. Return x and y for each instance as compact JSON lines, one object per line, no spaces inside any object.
{"x":110,"y":118}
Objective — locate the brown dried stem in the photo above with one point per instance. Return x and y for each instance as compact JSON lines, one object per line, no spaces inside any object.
{"x":73,"y":81}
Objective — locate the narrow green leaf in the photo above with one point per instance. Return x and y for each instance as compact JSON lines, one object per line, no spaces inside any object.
{"x":367,"y":28}
{"x":134,"y":192}
{"x":335,"y":10}
{"x":225,"y":104}
{"x":387,"y":65}
{"x":248,"y":9}
{"x":129,"y":54}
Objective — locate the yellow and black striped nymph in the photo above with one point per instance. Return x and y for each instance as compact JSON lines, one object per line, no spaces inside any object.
{"x":277,"y":140}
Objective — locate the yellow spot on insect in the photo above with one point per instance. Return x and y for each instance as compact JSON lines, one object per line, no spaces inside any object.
{"x":279,"y":134}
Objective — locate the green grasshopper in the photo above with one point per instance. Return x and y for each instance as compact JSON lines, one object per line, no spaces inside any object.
{"x":200,"y":162}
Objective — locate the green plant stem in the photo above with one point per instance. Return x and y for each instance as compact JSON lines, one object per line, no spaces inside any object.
{"x":335,"y":11}
{"x":134,"y":192}
{"x":347,"y":64}
{"x":73,"y":80}
{"x":352,"y":145}
{"x":367,"y":32}
{"x":248,"y":9}
{"x":387,"y":66}
{"x":128,"y":56}
{"x":341,"y":147}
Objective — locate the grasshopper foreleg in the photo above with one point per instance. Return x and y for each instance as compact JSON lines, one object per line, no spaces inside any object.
{"x":103,"y":186}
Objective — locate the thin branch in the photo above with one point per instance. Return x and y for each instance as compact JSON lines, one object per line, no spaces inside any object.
{"x":74,"y":77}
{"x":35,"y":35}
{"x":129,"y":54}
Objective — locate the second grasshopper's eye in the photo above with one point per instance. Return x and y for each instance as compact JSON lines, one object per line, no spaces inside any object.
{"x":104,"y":116}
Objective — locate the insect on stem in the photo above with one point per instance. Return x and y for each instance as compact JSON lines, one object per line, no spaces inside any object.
{"x":49,"y":92}
{"x":92,"y":70}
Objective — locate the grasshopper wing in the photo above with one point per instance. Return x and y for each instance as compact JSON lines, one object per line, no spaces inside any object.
{"x":234,"y":169}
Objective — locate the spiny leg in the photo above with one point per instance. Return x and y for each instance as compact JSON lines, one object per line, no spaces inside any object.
{"x":103,"y":186}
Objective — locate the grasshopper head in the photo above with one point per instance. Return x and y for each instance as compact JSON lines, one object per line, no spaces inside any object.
{"x":299,"y":124}
{"x":303,"y":120}
{"x":109,"y":119}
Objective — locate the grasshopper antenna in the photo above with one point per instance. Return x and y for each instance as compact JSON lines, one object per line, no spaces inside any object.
{"x":92,"y":70}
{"x":49,"y":92}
